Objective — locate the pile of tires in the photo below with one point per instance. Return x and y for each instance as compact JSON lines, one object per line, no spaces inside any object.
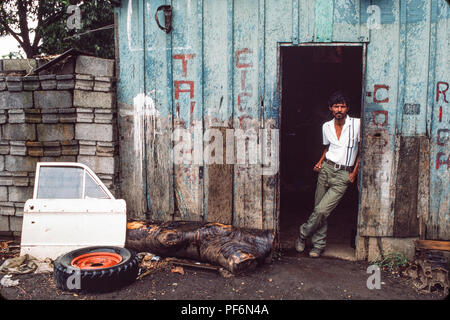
{"x":96,"y":269}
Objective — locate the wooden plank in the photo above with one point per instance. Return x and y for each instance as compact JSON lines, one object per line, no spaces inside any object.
{"x":156,"y":115}
{"x":346,"y":21}
{"x":197,"y":265}
{"x":131,"y":84}
{"x":423,"y":190}
{"x":219,"y":187}
{"x":217,"y":44}
{"x":432,"y":245}
{"x":187,"y":60}
{"x":130,"y":175}
{"x":305,"y":20}
{"x":323,"y":27}
{"x":217,"y":96}
{"x":246,"y":112}
{"x":295,"y":23}
{"x":376,"y":217}
{"x":406,"y":223}
{"x":438,"y":223}
{"x":277,"y":29}
{"x":416,"y":37}
{"x":379,"y":144}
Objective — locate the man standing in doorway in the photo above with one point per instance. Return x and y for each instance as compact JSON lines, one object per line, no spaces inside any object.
{"x":337,"y":167}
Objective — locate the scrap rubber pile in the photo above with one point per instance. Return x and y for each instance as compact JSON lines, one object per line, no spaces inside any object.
{"x":234,"y":249}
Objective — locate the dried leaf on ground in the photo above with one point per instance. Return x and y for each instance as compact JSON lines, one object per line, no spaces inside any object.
{"x":4,"y":247}
{"x":178,"y":269}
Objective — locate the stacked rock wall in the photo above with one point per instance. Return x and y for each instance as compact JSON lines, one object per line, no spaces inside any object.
{"x":66,"y":114}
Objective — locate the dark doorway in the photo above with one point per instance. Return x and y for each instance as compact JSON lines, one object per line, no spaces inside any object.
{"x":309,"y":75}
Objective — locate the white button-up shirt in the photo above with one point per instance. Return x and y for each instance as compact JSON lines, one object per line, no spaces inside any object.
{"x":345,"y":149}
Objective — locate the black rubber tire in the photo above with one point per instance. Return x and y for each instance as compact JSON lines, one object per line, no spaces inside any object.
{"x":95,"y":280}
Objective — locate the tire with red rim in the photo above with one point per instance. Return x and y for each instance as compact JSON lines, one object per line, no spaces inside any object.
{"x":95,"y":269}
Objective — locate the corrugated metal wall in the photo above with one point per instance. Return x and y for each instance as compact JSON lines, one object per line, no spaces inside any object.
{"x":219,"y":68}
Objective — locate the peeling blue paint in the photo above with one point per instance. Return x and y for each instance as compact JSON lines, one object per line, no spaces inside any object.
{"x":417,"y":10}
{"x":224,"y":57}
{"x":346,"y":11}
{"x":323,"y":30}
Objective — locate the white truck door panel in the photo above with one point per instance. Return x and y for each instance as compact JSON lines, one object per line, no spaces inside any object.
{"x":52,"y":227}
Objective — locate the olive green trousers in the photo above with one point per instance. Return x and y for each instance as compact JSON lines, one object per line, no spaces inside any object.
{"x":331,"y":186}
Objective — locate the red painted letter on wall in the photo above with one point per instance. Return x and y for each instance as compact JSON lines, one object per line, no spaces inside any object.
{"x":439,"y":162}
{"x":439,"y":91}
{"x":178,"y":90}
{"x":242,"y":64}
{"x":375,"y":89}
{"x":184,"y":58}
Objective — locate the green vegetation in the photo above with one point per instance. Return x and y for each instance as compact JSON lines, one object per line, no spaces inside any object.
{"x":391,"y":261}
{"x":41,"y":26}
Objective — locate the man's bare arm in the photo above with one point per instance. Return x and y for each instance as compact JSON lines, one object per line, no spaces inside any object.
{"x":352,"y":175}
{"x":319,"y":164}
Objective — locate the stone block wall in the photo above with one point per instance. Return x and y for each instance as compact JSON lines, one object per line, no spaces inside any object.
{"x":67,"y":114}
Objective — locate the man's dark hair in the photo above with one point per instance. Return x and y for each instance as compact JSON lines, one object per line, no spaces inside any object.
{"x":338,"y":97}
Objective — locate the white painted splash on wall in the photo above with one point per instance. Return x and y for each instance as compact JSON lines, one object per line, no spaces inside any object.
{"x":144,"y":113}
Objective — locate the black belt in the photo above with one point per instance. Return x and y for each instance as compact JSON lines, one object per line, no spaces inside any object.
{"x":339,"y":166}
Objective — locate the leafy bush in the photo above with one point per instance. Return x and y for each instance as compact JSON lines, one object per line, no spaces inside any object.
{"x":391,"y":261}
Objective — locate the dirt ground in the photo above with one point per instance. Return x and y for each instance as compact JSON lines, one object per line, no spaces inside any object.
{"x":290,"y":276}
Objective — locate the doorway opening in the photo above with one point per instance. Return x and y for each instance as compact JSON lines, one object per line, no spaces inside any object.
{"x":309,"y":74}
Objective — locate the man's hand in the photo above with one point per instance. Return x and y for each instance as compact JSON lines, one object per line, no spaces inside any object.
{"x":352,"y":176}
{"x":318,"y":166}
